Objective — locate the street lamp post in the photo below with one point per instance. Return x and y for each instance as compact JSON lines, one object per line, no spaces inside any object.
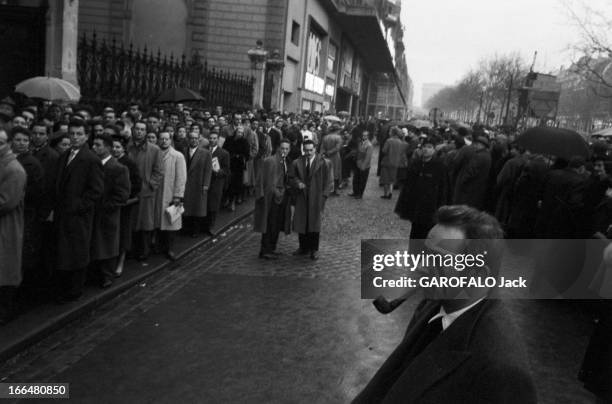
{"x":258,"y":56}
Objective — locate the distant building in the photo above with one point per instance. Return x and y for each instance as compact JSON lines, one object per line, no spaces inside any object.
{"x":429,"y":90}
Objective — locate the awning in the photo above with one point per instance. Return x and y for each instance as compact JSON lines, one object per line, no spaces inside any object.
{"x":362,"y":26}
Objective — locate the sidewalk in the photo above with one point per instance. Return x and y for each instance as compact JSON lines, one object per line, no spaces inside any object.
{"x":38,"y":322}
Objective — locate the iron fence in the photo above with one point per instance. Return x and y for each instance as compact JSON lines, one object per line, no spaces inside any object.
{"x":110,"y":73}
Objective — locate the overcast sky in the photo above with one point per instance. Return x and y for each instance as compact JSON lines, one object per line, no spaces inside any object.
{"x":445,"y":38}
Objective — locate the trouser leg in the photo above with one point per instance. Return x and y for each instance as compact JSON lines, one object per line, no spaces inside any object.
{"x":303,"y":240}
{"x":106,"y":268}
{"x":274,"y":224}
{"x":312,"y":241}
{"x":265,"y":244}
{"x":356,"y":183}
{"x":363,"y":180}
{"x":146,"y":242}
{"x":7,"y":302}
{"x":166,"y":240}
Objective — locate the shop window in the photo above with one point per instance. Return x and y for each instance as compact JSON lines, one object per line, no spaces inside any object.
{"x":295,"y":33}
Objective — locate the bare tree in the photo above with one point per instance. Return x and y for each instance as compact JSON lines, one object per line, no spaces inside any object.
{"x":483,"y":90}
{"x":592,"y":53}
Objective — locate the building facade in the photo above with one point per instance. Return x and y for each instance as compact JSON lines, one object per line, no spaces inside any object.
{"x":314,"y":55}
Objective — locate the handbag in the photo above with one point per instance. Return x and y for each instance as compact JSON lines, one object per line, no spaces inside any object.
{"x":174,"y":212}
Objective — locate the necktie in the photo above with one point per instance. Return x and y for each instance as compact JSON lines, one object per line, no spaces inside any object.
{"x":307,"y":168}
{"x":72,"y":156}
{"x":430,"y":332}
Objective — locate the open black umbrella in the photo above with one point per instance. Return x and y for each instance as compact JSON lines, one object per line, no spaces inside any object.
{"x":179,"y":94}
{"x":558,"y":142}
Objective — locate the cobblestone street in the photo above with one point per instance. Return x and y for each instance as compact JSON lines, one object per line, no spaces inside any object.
{"x":225,"y":326}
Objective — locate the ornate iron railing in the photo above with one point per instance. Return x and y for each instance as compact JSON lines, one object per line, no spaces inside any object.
{"x":110,"y":73}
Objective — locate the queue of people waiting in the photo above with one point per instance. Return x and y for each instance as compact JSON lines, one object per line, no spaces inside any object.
{"x":81,"y":190}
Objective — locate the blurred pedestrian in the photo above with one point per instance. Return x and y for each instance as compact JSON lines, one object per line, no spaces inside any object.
{"x":471,"y":169}
{"x":361,"y":169}
{"x":393,"y":152}
{"x":331,"y":145}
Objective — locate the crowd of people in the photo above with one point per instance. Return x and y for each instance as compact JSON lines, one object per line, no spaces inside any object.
{"x":82,"y":190}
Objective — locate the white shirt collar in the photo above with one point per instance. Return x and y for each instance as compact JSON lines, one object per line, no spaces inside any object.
{"x":105,"y":160}
{"x":213,"y":149}
{"x":448,"y":318}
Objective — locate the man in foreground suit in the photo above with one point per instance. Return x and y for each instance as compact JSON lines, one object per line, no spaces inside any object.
{"x":272,"y":210}
{"x":457,"y":350}
{"x":312,"y":178}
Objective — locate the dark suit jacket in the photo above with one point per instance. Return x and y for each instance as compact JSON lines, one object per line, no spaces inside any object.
{"x":35,"y":184}
{"x":48,"y":157}
{"x":135,"y":180}
{"x":105,"y":237}
{"x":478,"y":359}
{"x":78,"y":187}
{"x":424,"y":191}
{"x":218,"y":179}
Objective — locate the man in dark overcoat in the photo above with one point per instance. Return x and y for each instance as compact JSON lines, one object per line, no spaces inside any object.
{"x":461,"y":345}
{"x":199,"y":172}
{"x":423,"y":192}
{"x":472,"y":174}
{"x":106,"y":237}
{"x":148,"y":158}
{"x":79,"y":185}
{"x":220,"y":174}
{"x":47,"y":156}
{"x":312,"y":178}
{"x":272,"y":208}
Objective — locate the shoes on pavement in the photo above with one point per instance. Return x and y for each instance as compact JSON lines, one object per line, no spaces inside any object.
{"x":358,"y":196}
{"x":352,"y":194}
{"x":299,"y":251}
{"x":387,"y":196}
{"x":207,"y":233}
{"x":171,"y":256}
{"x":334,"y":194}
{"x":107,"y":283}
{"x":314,"y":255}
{"x":142,"y":257}
{"x":268,"y":256}
{"x":276,"y":253}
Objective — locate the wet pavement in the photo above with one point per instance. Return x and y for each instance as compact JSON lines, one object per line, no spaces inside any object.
{"x":222,"y":325}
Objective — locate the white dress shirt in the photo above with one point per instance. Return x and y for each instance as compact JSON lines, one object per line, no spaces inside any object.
{"x":448,"y":318}
{"x":105,"y":160}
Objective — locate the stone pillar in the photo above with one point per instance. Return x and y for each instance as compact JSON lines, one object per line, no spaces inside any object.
{"x":276,"y":66}
{"x":258,"y":56}
{"x":62,"y":38}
